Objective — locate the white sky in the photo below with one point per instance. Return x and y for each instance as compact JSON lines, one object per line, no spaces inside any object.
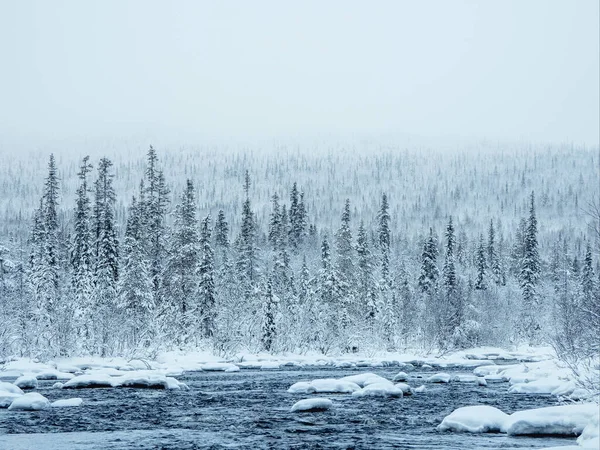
{"x":499,"y":69}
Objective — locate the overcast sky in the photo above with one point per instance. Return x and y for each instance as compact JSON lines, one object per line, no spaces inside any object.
{"x":500,"y":69}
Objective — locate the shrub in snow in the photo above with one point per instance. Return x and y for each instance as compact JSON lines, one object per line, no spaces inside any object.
{"x":312,"y":404}
{"x":474,"y":419}
{"x":29,"y":402}
{"x":379,"y":390}
{"x":439,"y":378}
{"x":26,"y":382}
{"x":68,"y":402}
{"x":401,"y":376}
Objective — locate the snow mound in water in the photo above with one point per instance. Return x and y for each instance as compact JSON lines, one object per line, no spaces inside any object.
{"x":53,"y":375}
{"x":439,"y":378}
{"x":474,"y":419}
{"x":217,"y":367}
{"x":141,"y":379}
{"x":568,"y":420}
{"x":379,"y":390}
{"x":6,"y":398}
{"x":270,"y":365}
{"x":29,"y":402}
{"x":544,"y":386}
{"x":57,"y":385}
{"x":26,"y":382}
{"x":400,"y":376}
{"x":89,"y":381}
{"x":406,"y":389}
{"x":233,"y":368}
{"x":312,"y":404}
{"x":365,"y":379}
{"x":66,"y":403}
{"x":324,"y":385}
{"x":421,"y":388}
{"x":590,"y":437}
{"x":9,"y":387}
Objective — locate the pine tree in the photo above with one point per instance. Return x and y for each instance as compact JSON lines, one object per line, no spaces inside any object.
{"x":480,"y":282}
{"x":247,"y":247}
{"x":529,"y":275}
{"x":135,"y":285}
{"x":221,"y":231}
{"x":82,"y":264}
{"x":274,"y":235}
{"x":366,"y":292}
{"x":106,"y":271}
{"x":429,"y":271}
{"x":383,"y":238}
{"x":493,"y":259}
{"x":154,"y":203}
{"x":269,"y":330}
{"x":181,"y":279}
{"x":207,"y":281}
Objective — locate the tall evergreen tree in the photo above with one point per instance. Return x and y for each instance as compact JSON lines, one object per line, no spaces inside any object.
{"x":207,"y":281}
{"x":429,"y":271}
{"x":529,"y":275}
{"x":480,"y":282}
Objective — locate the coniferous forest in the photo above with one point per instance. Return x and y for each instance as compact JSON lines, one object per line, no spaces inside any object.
{"x":330,"y":251}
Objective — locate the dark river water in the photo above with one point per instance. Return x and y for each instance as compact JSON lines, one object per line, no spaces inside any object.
{"x":251,"y":410}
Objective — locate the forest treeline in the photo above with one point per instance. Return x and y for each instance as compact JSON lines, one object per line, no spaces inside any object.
{"x":171,"y":279}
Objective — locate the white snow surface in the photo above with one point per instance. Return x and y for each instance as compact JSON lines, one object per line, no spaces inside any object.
{"x":365,"y":379}
{"x":324,"y":385}
{"x":439,"y":378}
{"x":554,"y":420}
{"x":387,"y":389}
{"x":6,"y":398}
{"x":26,"y":382}
{"x":474,"y":419}
{"x":9,"y":387}
{"x":29,"y":402}
{"x":564,"y":420}
{"x":138,"y":379}
{"x":67,"y":403}
{"x":312,"y":404}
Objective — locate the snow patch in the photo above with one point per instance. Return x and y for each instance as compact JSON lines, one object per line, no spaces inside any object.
{"x":474,"y":419}
{"x":312,"y":404}
{"x":29,"y":402}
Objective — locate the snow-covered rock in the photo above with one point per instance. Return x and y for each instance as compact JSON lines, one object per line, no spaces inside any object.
{"x":420,"y":389}
{"x":146,"y":381}
{"x":567,"y":420}
{"x":474,"y":419}
{"x":400,"y":376}
{"x":89,"y":381}
{"x":29,"y":402}
{"x":57,"y":385}
{"x":6,"y":398}
{"x":9,"y":387}
{"x":364,"y":379}
{"x":544,"y":386}
{"x":324,"y":385}
{"x":53,"y":375}
{"x":379,"y":390}
{"x":67,"y":402}
{"x":405,"y":388}
{"x":26,"y":382}
{"x":233,"y":368}
{"x":426,"y":367}
{"x":590,"y":437}
{"x":439,"y":378}
{"x":312,"y":404}
{"x":217,"y":367}
{"x":406,"y":367}
{"x":270,"y":365}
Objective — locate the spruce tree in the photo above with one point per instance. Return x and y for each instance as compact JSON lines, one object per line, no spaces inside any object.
{"x":429,"y":274}
{"x":207,"y":281}
{"x":529,"y":275}
{"x":480,"y":281}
